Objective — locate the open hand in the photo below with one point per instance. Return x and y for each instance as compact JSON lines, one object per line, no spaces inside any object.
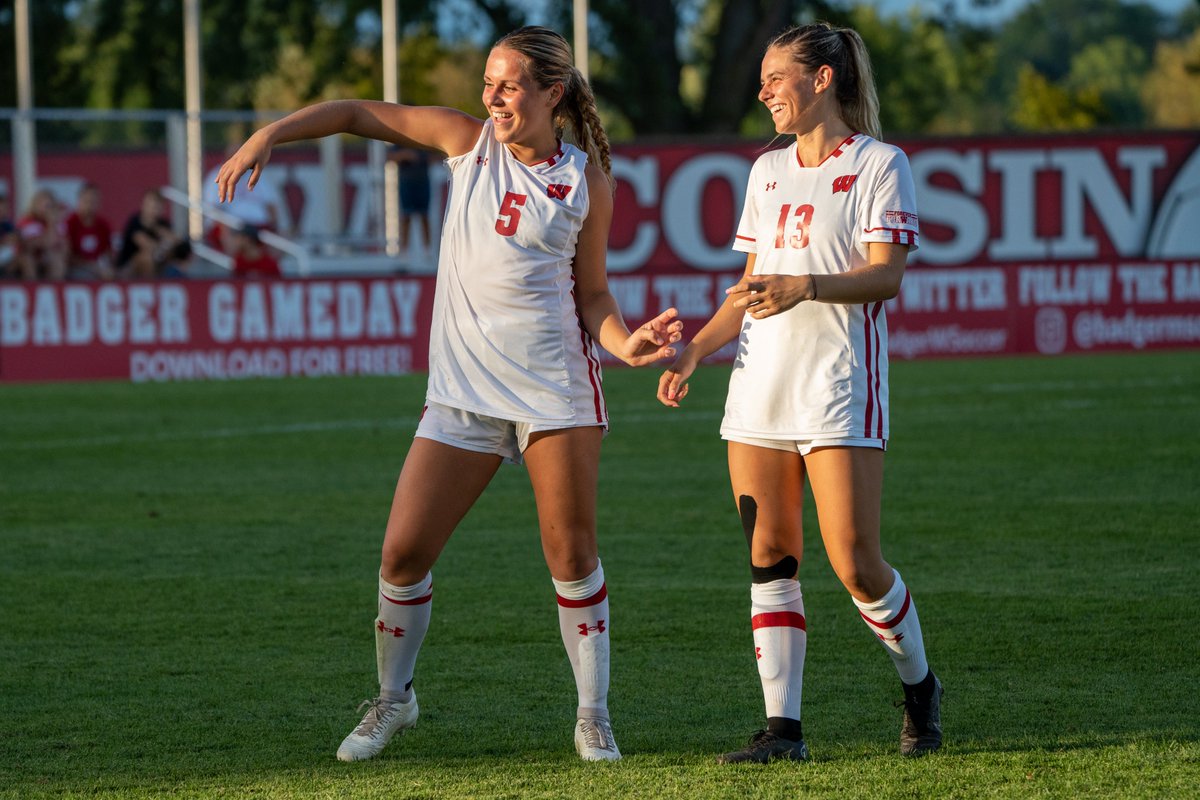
{"x":652,"y":341}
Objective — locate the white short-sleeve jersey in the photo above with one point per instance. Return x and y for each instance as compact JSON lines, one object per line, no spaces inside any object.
{"x":819,"y":370}
{"x":506,"y":339}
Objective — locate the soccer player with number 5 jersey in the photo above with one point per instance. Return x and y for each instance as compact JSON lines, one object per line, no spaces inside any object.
{"x":827,"y":226}
{"x":514,"y":374}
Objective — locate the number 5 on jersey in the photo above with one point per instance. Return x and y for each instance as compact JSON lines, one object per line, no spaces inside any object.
{"x":510,"y":213}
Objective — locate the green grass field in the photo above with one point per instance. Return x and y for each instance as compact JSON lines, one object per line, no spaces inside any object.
{"x":187,"y":589}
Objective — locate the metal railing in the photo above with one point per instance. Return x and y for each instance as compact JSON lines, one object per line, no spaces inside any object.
{"x":286,"y":246}
{"x":177,"y":140}
{"x":343,"y":231}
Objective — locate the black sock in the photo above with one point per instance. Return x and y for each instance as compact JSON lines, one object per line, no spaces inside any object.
{"x":919,"y":691}
{"x":785,"y":728}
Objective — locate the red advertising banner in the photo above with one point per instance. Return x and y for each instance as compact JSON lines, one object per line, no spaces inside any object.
{"x":1052,"y":244}
{"x":193,"y":330}
{"x":990,"y":310}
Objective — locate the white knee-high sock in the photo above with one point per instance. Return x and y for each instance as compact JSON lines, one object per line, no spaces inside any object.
{"x":780,"y":640}
{"x":893,"y":620}
{"x":399,"y":630}
{"x":583,"y":622}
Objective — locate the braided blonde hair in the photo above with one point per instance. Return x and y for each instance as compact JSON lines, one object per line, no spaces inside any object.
{"x":547,"y":59}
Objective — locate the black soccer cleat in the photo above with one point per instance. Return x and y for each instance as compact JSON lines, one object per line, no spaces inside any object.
{"x":765,"y":746}
{"x":921,"y":732}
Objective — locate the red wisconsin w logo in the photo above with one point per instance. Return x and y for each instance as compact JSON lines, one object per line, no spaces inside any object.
{"x":583,"y":626}
{"x":558,"y":191}
{"x":842,"y":183}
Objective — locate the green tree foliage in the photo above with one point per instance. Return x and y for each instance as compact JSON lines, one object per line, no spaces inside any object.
{"x":1075,"y":64}
{"x":50,"y":31}
{"x":704,"y":81}
{"x":658,"y":66}
{"x":1114,"y":69}
{"x":433,"y":72}
{"x":131,"y":54}
{"x":1172,"y":89}
{"x":1102,"y":89}
{"x":645,"y":90}
{"x":730,"y":53}
{"x":1041,"y":104}
{"x":1047,"y":34}
{"x":929,"y":71}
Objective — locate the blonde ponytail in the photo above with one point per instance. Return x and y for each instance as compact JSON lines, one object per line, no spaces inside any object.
{"x":844,"y":51}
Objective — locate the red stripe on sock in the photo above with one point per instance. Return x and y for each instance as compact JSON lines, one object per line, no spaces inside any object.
{"x":417,"y":602}
{"x":567,"y":602}
{"x":778,"y":619}
{"x":891,"y":623}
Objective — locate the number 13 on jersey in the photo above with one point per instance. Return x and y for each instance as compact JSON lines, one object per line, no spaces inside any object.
{"x":803,"y":218}
{"x":510,"y":213}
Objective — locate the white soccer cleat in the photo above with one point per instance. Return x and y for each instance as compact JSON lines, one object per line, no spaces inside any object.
{"x":594,"y":740}
{"x":379,"y":724}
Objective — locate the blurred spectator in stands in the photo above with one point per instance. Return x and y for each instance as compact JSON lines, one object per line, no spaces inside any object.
{"x":415,"y":194}
{"x":149,"y":248}
{"x":8,"y":238}
{"x":259,"y":207}
{"x":42,"y":251}
{"x":90,"y":238}
{"x":251,"y":259}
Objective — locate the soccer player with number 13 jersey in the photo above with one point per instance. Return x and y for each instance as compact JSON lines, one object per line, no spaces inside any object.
{"x":827,"y":226}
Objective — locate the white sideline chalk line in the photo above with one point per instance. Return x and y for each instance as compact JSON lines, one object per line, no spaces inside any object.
{"x":1050,"y":386}
{"x":297,"y":427}
{"x":216,"y":433}
{"x":655,"y":413}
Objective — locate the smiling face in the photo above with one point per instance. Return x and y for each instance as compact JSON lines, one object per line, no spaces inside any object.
{"x":791,"y":94}
{"x":521,"y":111}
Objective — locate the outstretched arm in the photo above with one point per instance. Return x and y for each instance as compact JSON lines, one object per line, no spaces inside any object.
{"x":443,"y":129}
{"x":598,"y":308}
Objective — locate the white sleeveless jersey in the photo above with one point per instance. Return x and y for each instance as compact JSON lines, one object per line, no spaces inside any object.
{"x":506,"y":339}
{"x":819,"y":370}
